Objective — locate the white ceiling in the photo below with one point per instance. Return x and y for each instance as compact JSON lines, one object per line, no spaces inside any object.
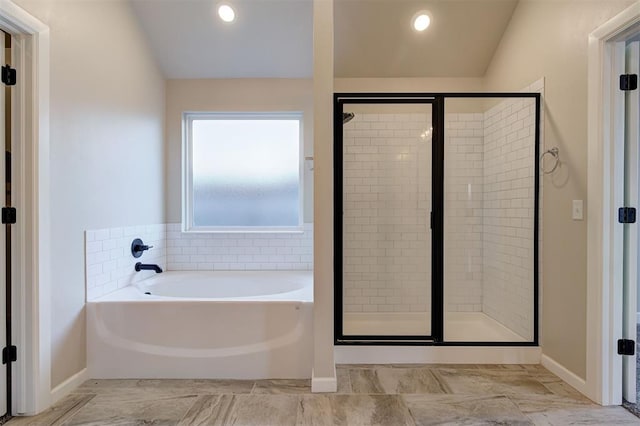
{"x":269,"y":38}
{"x":274,"y":38}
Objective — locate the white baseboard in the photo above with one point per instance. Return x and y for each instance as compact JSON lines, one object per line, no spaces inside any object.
{"x":66,"y":387}
{"x":572,"y":379}
{"x":324,"y":384}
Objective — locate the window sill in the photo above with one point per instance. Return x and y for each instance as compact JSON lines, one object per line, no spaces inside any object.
{"x":255,"y":230}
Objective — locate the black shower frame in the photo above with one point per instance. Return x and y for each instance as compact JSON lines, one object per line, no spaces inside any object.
{"x":437,"y":100}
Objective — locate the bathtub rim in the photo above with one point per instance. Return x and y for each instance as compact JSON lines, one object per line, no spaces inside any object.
{"x":134,"y":293}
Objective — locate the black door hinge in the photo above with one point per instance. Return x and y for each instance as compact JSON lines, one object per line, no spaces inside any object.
{"x":628,"y":82}
{"x":626,"y":347}
{"x":8,"y":75}
{"x":627,"y":215}
{"x":9,"y":215}
{"x":9,"y":354}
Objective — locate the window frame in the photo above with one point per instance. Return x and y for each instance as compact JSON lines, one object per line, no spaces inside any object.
{"x":188,"y":117}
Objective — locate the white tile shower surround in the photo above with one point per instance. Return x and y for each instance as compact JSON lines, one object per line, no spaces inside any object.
{"x":368,"y":247}
{"x":508,"y":214}
{"x":110,"y":265}
{"x":489,"y":166}
{"x":488,"y":183}
{"x":463,"y":198}
{"x":387,"y":200}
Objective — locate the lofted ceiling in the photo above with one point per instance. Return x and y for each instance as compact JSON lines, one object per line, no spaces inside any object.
{"x":269,"y":38}
{"x":374,"y":38}
{"x":274,"y":38}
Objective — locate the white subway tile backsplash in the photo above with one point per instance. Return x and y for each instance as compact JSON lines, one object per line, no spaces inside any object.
{"x":109,"y":263}
{"x":102,"y":234}
{"x":116,"y":233}
{"x":93,"y":246}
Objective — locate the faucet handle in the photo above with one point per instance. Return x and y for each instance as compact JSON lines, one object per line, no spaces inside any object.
{"x":138,"y":247}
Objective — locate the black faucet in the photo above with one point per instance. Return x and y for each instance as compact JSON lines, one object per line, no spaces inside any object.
{"x":147,"y":267}
{"x":137,"y":247}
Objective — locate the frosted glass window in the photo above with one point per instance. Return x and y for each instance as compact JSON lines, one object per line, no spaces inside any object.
{"x":243,"y":172}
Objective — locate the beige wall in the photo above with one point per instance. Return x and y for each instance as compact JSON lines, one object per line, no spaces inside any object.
{"x":227,"y":95}
{"x":412,"y":85}
{"x":408,"y":84}
{"x":549,"y":39}
{"x":107,"y":108}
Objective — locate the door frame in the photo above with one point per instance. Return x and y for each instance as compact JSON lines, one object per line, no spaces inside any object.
{"x":31,"y":287}
{"x":437,"y":100}
{"x":630,"y":231}
{"x":340,"y":99}
{"x":603,"y":382}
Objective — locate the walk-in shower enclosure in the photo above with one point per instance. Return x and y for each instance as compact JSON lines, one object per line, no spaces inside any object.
{"x":436,"y":218}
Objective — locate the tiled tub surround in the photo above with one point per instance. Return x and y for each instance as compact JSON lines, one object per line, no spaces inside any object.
{"x":239,"y":251}
{"x":109,"y":263}
{"x":423,"y":394}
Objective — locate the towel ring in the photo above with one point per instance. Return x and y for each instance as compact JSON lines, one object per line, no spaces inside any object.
{"x":553,"y":152}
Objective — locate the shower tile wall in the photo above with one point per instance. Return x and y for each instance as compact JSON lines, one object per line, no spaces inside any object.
{"x":463,"y":212}
{"x":484,"y":270}
{"x":387,"y":200}
{"x":108,"y":260}
{"x":239,"y":251}
{"x":489,"y":202}
{"x":509,"y":136}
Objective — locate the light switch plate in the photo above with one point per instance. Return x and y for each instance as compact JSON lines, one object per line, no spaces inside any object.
{"x":577,"y":210}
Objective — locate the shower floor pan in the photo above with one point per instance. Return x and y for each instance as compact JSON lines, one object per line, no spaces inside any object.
{"x":458,"y":326}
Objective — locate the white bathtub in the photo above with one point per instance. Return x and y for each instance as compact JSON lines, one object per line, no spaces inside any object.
{"x":243,"y":325}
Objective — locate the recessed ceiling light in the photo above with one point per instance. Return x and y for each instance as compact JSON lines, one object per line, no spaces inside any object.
{"x":226,"y":13}
{"x":421,"y":21}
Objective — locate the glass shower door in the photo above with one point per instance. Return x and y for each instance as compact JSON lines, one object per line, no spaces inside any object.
{"x":386,"y":151}
{"x":436,"y":218}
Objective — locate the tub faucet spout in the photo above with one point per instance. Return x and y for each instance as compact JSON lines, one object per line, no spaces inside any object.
{"x":147,"y":267}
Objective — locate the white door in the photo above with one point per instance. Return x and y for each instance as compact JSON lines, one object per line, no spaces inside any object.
{"x":3,"y":246}
{"x":630,"y":267}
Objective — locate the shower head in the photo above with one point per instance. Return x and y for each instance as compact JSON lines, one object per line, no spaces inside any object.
{"x":347,"y":117}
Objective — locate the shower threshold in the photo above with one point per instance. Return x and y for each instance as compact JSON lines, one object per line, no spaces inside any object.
{"x":458,"y":326}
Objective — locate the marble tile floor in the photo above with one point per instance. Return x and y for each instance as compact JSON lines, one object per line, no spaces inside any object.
{"x":405,"y":394}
